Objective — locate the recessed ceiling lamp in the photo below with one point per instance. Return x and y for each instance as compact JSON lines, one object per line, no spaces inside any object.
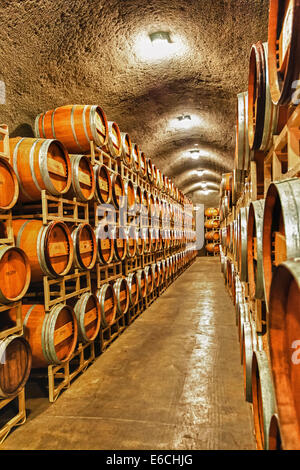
{"x":159,"y":45}
{"x":185,"y":121}
{"x":200,"y":172}
{"x":196,"y":153}
{"x":160,"y":37}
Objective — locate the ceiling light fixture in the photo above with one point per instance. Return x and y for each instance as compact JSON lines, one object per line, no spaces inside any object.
{"x":159,"y":45}
{"x":160,"y":36}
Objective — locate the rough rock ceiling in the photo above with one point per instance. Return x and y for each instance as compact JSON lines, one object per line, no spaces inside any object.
{"x":56,"y":52}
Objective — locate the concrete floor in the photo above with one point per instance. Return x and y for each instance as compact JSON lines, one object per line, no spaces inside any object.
{"x":173,"y":380}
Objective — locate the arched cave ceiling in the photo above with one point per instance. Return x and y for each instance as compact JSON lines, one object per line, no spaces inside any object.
{"x":56,"y":52}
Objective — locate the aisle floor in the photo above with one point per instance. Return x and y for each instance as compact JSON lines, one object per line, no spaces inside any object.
{"x":173,"y":380}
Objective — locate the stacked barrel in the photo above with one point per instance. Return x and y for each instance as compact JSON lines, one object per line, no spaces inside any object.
{"x":15,"y":351}
{"x":212,"y":231}
{"x":260,"y":232}
{"x":90,"y":229}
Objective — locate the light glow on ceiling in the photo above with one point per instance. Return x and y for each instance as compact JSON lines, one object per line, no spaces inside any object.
{"x":185,"y":121}
{"x":158,"y":46}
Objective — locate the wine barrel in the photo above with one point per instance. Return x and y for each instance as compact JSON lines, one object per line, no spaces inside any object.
{"x":85,"y":246}
{"x":156,"y":275}
{"x":120,"y":243}
{"x":130,"y":193}
{"x":105,"y":244}
{"x":49,"y":247}
{"x":148,"y":243}
{"x":250,"y":342}
{"x":212,"y":236}
{"x":238,"y":184}
{"x":150,"y":174}
{"x":162,"y":269}
{"x":118,"y":191}
{"x":242,"y":149}
{"x":263,"y":398}
{"x":131,"y":242}
{"x":83,"y":179}
{"x":52,"y":336}
{"x":283,"y":327}
{"x":275,"y":442}
{"x":136,"y":158}
{"x":108,"y":304}
{"x":155,"y":176}
{"x":133,"y":287}
{"x":126,"y":154}
{"x":143,"y":166}
{"x":212,"y":247}
{"x":145,"y":204}
{"x":14,"y":274}
{"x":103,"y":186}
{"x":155,"y":239}
{"x":88,"y":316}
{"x":15,"y":365}
{"x":40,"y":164}
{"x":122,"y":294}
{"x":226,"y":183}
{"x":212,"y":224}
{"x":281,"y":227}
{"x":243,"y":316}
{"x":211,"y":212}
{"x":142,"y":283}
{"x":140,"y":247}
{"x":150,"y":279}
{"x":242,"y":243}
{"x":75,"y":126}
{"x":263,"y":115}
{"x":284,"y":49}
{"x":114,"y":142}
{"x":9,"y":186}
{"x":254,"y":249}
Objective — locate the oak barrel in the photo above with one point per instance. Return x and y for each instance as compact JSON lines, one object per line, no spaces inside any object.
{"x":121,"y":289}
{"x":9,"y":186}
{"x":211,"y":212}
{"x":85,"y":246}
{"x":118,"y":191}
{"x":83,"y":179}
{"x":142,"y":283}
{"x":108,"y":304}
{"x":114,"y":143}
{"x":281,"y":227}
{"x":242,"y":149}
{"x":15,"y":365}
{"x":255,"y":249}
{"x":105,"y":244}
{"x":284,"y":49}
{"x":131,"y":242}
{"x":136,"y":158}
{"x":143,"y":166}
{"x":284,"y":330}
{"x":156,"y":275}
{"x":75,"y":126}
{"x":52,"y":335}
{"x":242,"y":243}
{"x":49,"y":247}
{"x":150,"y":279}
{"x":120,"y":243}
{"x":103,"y":186}
{"x":126,"y":153}
{"x":263,"y":398}
{"x":40,"y":164}
{"x":130,"y":193}
{"x":88,"y":316}
{"x":15,"y":274}
{"x":133,"y":287}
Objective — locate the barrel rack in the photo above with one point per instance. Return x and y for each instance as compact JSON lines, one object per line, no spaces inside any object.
{"x":17,"y":401}
{"x":280,"y":162}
